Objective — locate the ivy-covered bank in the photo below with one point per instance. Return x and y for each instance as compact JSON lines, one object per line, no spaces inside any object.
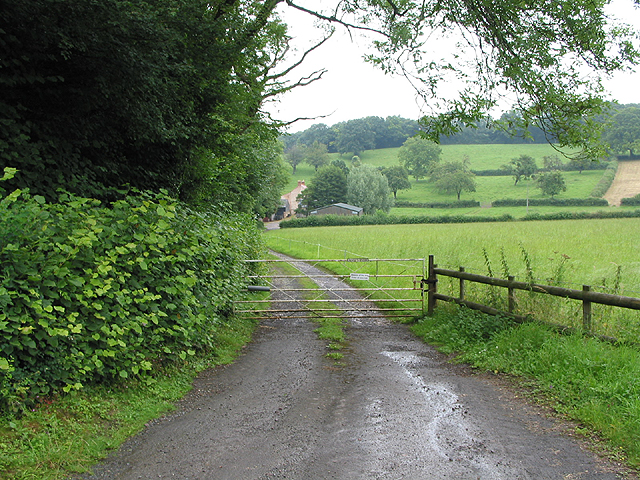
{"x":93,"y":294}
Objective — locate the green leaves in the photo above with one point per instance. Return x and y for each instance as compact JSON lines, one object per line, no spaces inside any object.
{"x":92,"y":294}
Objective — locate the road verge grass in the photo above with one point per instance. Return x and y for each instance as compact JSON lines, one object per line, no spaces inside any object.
{"x":330,"y":324}
{"x":67,"y":434}
{"x":591,"y":382}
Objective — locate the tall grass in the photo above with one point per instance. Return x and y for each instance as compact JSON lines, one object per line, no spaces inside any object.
{"x":599,"y":253}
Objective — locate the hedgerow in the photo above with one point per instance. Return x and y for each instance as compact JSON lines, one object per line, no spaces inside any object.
{"x":605,"y":182}
{"x":632,"y":201}
{"x":90,"y":293}
{"x":553,"y":202}
{"x":344,"y":220}
{"x":459,"y":204}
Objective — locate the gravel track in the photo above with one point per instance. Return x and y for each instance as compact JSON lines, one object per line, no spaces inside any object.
{"x":396,"y":409}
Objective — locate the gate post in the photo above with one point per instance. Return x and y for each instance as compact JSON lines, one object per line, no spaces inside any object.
{"x":511,"y":296}
{"x":432,"y":280}
{"x":586,"y":310}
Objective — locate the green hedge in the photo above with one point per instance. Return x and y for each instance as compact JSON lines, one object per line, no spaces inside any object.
{"x":459,"y":204}
{"x":345,"y":220}
{"x":551,"y":202}
{"x":605,"y":182}
{"x":92,"y":294}
{"x":633,"y":201}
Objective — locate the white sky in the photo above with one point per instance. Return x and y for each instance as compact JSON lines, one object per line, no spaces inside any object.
{"x":351,"y":88}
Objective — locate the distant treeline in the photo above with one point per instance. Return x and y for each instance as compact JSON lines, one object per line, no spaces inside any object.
{"x":372,"y":133}
{"x":369,"y":133}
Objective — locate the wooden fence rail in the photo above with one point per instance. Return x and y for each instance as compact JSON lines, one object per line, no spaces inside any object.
{"x":585,"y":295}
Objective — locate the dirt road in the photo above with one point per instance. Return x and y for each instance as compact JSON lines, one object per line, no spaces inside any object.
{"x":626,"y":183}
{"x":396,"y":409}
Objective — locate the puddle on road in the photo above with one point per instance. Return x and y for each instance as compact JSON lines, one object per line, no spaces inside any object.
{"x":446,"y":429}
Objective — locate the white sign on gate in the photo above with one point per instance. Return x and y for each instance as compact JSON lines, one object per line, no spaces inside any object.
{"x":359,"y":276}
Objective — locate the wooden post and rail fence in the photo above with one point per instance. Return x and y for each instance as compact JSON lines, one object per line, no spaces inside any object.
{"x":586,"y":295}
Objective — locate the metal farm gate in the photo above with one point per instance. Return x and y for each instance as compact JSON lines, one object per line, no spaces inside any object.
{"x":371,"y":288}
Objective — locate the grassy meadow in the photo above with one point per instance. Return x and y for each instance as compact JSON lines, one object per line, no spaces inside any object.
{"x":481,"y":157}
{"x":571,"y":253}
{"x":489,"y":188}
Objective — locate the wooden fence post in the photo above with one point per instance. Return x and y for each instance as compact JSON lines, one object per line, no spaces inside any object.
{"x":586,"y":310}
{"x":462,"y":292}
{"x":511,"y":295}
{"x":432,"y":280}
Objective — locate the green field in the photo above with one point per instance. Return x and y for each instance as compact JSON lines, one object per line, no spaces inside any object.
{"x":494,"y":212}
{"x":482,"y":157}
{"x":572,"y":253}
{"x":488,"y":189}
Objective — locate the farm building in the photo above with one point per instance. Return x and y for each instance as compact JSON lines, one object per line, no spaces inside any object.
{"x":338,"y":209}
{"x":291,"y":200}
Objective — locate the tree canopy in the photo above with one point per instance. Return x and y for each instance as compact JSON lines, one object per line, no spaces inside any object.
{"x":328,"y":186}
{"x":522,"y":167}
{"x":453,"y":178}
{"x":111,"y":94}
{"x":368,"y":188}
{"x":418,"y":156}
{"x":623,"y":132}
{"x":102,"y":94}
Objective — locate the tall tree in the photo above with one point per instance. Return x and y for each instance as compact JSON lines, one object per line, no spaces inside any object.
{"x":623,"y":132}
{"x":368,"y":188}
{"x":97,"y":94}
{"x":551,"y":183}
{"x":327,"y":187}
{"x":398,"y":178}
{"x":418,"y":156}
{"x":295,"y":155}
{"x":453,"y":178}
{"x":316,"y":155}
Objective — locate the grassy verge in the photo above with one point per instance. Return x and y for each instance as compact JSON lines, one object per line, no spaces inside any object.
{"x":594,"y":383}
{"x":329,"y":328}
{"x":65,"y":435}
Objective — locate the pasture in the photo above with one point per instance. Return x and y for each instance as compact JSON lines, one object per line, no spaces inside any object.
{"x":599,"y":253}
{"x":481,"y":157}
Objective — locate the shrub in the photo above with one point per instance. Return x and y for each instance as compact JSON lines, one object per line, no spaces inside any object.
{"x":94,"y":294}
{"x":633,"y":201}
{"x":605,"y":182}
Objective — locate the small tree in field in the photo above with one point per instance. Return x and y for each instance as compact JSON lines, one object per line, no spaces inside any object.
{"x":453,"y":178}
{"x":398,"y":178}
{"x":551,"y":183}
{"x":522,"y":167}
{"x":419,"y":156}
{"x":295,"y":155}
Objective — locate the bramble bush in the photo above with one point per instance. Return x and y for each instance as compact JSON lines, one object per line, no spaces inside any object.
{"x":94,"y":294}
